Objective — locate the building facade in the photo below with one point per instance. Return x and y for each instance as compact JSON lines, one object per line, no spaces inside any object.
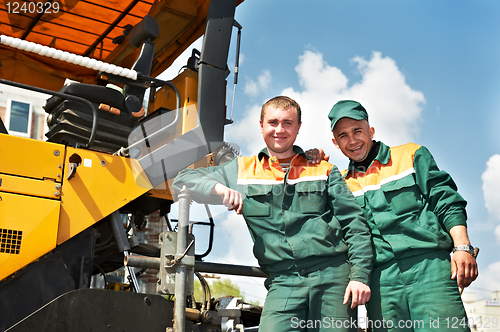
{"x":22,"y":112}
{"x":483,"y":315}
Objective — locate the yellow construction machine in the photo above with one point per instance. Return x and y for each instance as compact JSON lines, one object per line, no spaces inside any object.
{"x":71,"y":207}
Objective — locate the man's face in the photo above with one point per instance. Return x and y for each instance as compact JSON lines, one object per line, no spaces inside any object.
{"x":353,"y":138}
{"x":280,"y":128}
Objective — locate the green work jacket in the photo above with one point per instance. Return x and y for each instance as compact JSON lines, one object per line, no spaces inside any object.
{"x":410,"y":204}
{"x":300,"y":220}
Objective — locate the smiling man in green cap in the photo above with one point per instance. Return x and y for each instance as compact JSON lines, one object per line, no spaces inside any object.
{"x":416,"y":218}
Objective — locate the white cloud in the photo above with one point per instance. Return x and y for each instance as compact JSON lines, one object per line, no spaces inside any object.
{"x":251,"y":88}
{"x":240,"y":243}
{"x":488,"y":277}
{"x":497,"y":233}
{"x":239,"y":251}
{"x":491,"y":183}
{"x":394,"y":107}
{"x":246,"y":132}
{"x":317,"y":77}
{"x":254,"y":88}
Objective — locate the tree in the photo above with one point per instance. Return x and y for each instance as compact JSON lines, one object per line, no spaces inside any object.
{"x":218,"y":288}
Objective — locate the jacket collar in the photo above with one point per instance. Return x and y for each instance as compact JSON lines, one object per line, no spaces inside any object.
{"x":383,"y":157}
{"x":263,"y":153}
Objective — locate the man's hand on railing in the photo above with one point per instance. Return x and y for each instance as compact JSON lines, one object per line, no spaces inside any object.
{"x":230,"y":198}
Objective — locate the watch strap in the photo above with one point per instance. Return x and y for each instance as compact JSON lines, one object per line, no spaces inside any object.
{"x":466,"y":247}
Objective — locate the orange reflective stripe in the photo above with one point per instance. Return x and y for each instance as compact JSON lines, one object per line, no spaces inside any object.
{"x":252,"y":171}
{"x":309,"y":172}
{"x":400,"y":165}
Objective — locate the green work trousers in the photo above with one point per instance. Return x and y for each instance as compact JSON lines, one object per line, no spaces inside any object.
{"x":310,"y":302}
{"x":416,"y":294}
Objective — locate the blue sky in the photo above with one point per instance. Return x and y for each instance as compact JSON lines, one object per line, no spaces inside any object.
{"x":427,"y":72}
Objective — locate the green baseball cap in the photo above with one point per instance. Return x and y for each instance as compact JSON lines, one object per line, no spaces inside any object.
{"x":347,"y":109}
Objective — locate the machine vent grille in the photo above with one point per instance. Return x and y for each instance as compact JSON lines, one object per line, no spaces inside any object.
{"x":10,"y":241}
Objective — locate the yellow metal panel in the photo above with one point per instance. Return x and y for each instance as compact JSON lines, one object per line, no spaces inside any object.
{"x":28,"y":230}
{"x":102,"y":184}
{"x":30,"y":158}
{"x":32,"y":187}
{"x":187,"y":84}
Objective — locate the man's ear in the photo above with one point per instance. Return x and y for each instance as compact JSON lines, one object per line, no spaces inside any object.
{"x":261,"y":127}
{"x":372,"y":132}
{"x":335,"y":143}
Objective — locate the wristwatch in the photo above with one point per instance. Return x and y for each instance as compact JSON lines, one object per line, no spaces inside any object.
{"x":466,"y":247}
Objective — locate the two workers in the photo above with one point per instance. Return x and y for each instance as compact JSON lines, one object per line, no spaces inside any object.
{"x":378,"y":234}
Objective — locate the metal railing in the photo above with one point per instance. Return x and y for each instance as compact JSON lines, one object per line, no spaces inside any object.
{"x":183,"y":263}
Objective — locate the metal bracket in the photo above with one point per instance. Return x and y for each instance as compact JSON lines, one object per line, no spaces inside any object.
{"x":229,"y":310}
{"x":169,"y":260}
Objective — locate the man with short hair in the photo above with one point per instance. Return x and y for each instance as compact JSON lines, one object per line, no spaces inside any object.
{"x":416,"y":218}
{"x":309,"y":233}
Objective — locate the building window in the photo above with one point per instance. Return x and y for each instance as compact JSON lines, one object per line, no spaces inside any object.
{"x":18,"y":118}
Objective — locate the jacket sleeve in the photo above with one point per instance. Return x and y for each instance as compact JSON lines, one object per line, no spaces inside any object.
{"x":200,"y":181}
{"x":439,"y":189}
{"x":354,"y":226}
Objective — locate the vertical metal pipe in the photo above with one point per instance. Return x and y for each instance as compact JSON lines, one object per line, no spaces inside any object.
{"x":131,"y":272}
{"x":181,"y":269}
{"x":119,"y":232}
{"x":123,"y":244}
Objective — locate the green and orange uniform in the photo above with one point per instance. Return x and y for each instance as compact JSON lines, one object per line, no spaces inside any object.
{"x":309,"y":235}
{"x":410,"y":205}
